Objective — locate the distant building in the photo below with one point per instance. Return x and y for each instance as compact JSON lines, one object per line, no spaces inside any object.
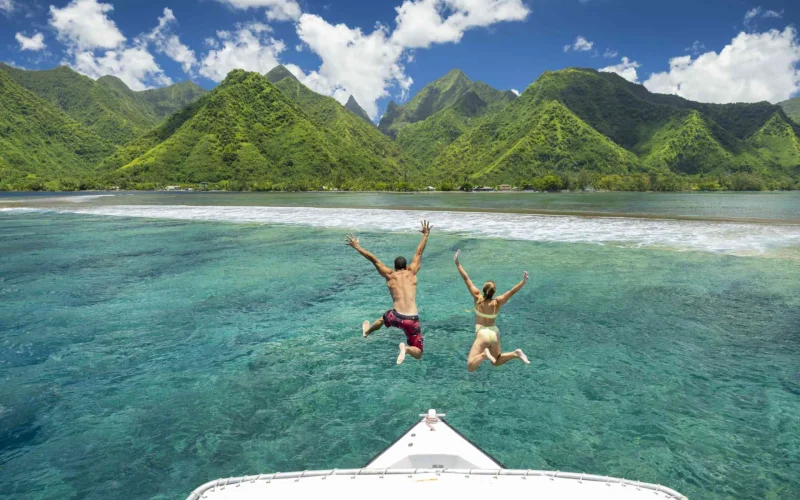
{"x":505,"y":187}
{"x":430,"y":188}
{"x":483,"y":189}
{"x":173,"y":188}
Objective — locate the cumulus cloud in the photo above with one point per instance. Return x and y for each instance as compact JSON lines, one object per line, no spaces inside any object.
{"x":170,"y":44}
{"x":364,"y":65}
{"x":134,"y":66}
{"x":368,"y":65}
{"x":421,"y":23}
{"x":581,"y":44}
{"x":626,"y":69}
{"x":277,"y":10}
{"x":84,"y":24}
{"x":96,"y":47}
{"x":6,"y":6}
{"x":753,"y":67}
{"x":250,"y":47}
{"x":610,"y":54}
{"x":515,"y":91}
{"x":34,"y":43}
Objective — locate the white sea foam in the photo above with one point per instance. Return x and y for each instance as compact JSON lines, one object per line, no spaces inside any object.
{"x":719,"y":237}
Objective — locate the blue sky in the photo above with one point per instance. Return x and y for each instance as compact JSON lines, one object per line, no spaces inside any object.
{"x":730,"y":50}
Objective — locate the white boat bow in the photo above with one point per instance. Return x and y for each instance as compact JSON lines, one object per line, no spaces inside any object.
{"x":433,"y":460}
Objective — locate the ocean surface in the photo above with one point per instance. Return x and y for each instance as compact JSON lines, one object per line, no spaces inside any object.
{"x":152,"y":342}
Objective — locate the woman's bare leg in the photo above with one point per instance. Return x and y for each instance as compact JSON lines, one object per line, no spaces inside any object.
{"x":508,"y":356}
{"x":478,"y":354}
{"x":366,"y":328}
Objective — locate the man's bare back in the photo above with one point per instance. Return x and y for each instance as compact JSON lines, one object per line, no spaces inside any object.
{"x":403,"y":288}
{"x":402,"y":284}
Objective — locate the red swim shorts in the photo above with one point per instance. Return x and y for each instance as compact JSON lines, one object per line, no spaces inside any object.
{"x":409,"y":325}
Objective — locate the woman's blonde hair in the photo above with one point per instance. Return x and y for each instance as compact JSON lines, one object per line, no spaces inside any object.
{"x":489,"y":289}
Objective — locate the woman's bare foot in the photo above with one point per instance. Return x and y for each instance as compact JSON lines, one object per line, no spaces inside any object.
{"x":402,"y":356}
{"x":489,"y":355}
{"x":521,"y":355}
{"x":365,"y":328}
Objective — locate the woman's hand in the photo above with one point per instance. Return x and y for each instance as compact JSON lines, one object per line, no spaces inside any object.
{"x":525,"y":277}
{"x":455,"y":259}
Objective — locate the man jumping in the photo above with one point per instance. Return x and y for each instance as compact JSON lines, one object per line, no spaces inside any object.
{"x":402,"y":283}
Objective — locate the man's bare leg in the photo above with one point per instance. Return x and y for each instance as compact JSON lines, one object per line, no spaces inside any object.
{"x":366,"y":328}
{"x":414,"y":352}
{"x":508,"y":356}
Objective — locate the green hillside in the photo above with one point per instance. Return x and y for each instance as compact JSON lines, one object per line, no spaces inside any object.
{"x":792,"y":109}
{"x":247,"y":129}
{"x":435,"y":97}
{"x":659,"y":134}
{"x":107,"y":107}
{"x":425,"y":139}
{"x":530,"y":141}
{"x":354,"y":107}
{"x":39,"y":142}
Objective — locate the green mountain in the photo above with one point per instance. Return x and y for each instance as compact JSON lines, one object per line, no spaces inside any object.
{"x":278,"y":73}
{"x":792,"y":109}
{"x":39,"y":142}
{"x":579,"y":119}
{"x":353,"y":106}
{"x":107,"y":107}
{"x":247,"y":129}
{"x":436,"y":96}
{"x":337,"y":123}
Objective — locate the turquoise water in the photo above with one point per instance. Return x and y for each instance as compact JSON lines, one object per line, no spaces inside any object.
{"x":142,"y":357}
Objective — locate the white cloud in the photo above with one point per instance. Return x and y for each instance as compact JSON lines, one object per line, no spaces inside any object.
{"x":84,"y":24}
{"x":249,"y":48}
{"x":169,"y":44}
{"x":96,"y":47}
{"x":696,"y":48}
{"x":134,"y":66}
{"x":581,"y":44}
{"x":626,"y":69}
{"x":369,"y":65}
{"x":753,"y":67}
{"x":421,"y":23}
{"x":364,"y":65}
{"x":34,"y":43}
{"x":751,"y":15}
{"x":515,"y":91}
{"x":6,"y":6}
{"x":610,"y":54}
{"x":277,"y":10}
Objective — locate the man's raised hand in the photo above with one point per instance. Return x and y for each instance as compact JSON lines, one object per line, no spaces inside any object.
{"x":525,"y":276}
{"x":455,"y":259}
{"x":352,"y":241}
{"x":426,"y":228}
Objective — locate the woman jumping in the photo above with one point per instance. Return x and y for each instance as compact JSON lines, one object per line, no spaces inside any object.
{"x":487,"y":335}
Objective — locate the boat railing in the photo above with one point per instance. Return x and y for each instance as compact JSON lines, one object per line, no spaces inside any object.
{"x":496,"y":473}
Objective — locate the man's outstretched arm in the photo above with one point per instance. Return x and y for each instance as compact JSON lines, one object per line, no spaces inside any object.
{"x":416,"y":263}
{"x":380,"y":266}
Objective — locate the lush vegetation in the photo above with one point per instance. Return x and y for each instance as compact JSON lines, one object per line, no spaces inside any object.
{"x":437,"y":96}
{"x":106,"y":107}
{"x":354,"y":107}
{"x":575,"y":129}
{"x":792,"y":109}
{"x":248,"y":130}
{"x":39,"y":143}
{"x":580,"y":119}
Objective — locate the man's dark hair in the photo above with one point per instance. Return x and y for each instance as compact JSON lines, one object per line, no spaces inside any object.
{"x":400,"y":263}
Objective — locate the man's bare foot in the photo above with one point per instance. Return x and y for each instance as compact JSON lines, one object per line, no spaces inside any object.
{"x":521,"y":355}
{"x":489,"y":355}
{"x":365,"y":328}
{"x":402,"y":356}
